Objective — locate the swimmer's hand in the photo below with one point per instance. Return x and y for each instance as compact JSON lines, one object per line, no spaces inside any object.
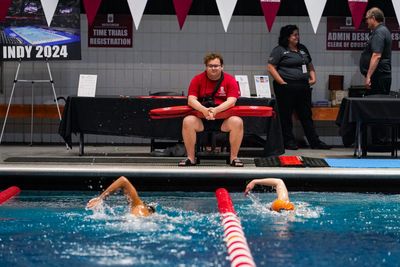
{"x":249,"y":187}
{"x":94,"y":202}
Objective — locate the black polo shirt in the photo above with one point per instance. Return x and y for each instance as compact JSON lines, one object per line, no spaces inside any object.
{"x":380,"y":41}
{"x":289,"y":63}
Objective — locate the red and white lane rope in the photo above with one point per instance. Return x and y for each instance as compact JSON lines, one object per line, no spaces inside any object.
{"x":8,"y":193}
{"x":236,"y":243}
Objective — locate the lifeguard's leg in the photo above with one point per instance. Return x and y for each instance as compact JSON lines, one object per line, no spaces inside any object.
{"x":234,"y":125}
{"x":191,"y":125}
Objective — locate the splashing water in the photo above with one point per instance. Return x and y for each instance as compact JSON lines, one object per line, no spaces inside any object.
{"x":325,"y":229}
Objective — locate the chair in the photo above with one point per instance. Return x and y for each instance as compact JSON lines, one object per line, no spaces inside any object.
{"x":166,"y":93}
{"x":207,"y":144}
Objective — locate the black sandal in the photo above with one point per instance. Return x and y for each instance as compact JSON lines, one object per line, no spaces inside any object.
{"x":237,"y":163}
{"x":185,"y":163}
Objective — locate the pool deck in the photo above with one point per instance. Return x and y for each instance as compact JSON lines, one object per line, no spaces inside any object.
{"x":102,"y":163}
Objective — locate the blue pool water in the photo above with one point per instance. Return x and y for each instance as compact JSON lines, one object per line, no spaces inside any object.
{"x":327,"y":229}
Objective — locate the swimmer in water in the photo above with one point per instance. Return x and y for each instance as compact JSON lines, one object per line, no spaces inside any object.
{"x":138,"y":207}
{"x":282,"y":202}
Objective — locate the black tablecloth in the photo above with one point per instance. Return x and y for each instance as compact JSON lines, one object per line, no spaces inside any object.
{"x":129,"y":117}
{"x":355,"y":110}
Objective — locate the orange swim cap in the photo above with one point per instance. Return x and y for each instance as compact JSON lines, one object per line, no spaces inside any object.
{"x":279,"y":205}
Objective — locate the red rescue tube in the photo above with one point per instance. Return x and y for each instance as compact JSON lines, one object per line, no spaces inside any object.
{"x":8,"y":193}
{"x":236,"y":243}
{"x":183,"y":111}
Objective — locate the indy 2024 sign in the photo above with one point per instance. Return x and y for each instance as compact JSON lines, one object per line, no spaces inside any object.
{"x":24,"y":34}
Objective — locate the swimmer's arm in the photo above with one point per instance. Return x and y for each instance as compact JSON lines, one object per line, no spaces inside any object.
{"x":121,"y":183}
{"x":279,"y":185}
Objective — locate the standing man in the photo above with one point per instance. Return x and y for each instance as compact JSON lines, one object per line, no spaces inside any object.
{"x":211,"y":92}
{"x":375,"y":61}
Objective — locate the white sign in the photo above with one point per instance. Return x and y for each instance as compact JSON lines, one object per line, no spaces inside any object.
{"x":262,"y":86}
{"x":244,"y":86}
{"x":87,"y":85}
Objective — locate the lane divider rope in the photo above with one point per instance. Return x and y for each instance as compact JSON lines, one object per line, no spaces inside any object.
{"x":236,"y":243}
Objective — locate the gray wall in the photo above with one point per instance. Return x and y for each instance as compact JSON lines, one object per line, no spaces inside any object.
{"x":163,"y":58}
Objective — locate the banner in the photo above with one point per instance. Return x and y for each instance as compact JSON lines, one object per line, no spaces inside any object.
{"x":4,"y":6}
{"x":315,"y":9}
{"x":32,"y":39}
{"x":396,"y":6}
{"x":182,"y":8}
{"x":342,"y":35}
{"x":357,"y":9}
{"x":91,"y":8}
{"x":111,"y":30}
{"x":49,"y":7}
{"x":137,"y":8}
{"x":226,"y":8}
{"x":270,"y":9}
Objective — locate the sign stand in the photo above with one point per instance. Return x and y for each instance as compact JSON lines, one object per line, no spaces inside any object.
{"x":33,"y":83}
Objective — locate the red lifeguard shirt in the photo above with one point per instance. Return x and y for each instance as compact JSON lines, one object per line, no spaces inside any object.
{"x":201,"y":86}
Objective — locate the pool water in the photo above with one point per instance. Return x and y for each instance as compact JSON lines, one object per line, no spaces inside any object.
{"x":326,"y":229}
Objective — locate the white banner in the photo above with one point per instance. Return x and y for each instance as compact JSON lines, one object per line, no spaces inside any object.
{"x":137,"y":8}
{"x":49,"y":7}
{"x":396,"y":6}
{"x":315,"y":9}
{"x":225,"y":8}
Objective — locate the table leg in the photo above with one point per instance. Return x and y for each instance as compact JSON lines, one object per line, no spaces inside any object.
{"x":358,"y":140}
{"x":81,"y":144}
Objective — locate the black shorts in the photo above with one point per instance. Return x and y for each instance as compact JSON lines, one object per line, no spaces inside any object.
{"x":212,"y":125}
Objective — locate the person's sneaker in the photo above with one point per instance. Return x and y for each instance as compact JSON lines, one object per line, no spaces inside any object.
{"x":291,"y":145}
{"x":320,"y":145}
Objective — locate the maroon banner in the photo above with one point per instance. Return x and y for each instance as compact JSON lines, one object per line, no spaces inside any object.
{"x":270,"y":9}
{"x":182,"y":8}
{"x":357,"y":9}
{"x":111,"y":30}
{"x":91,"y":8}
{"x":4,"y":5}
{"x":342,"y":35}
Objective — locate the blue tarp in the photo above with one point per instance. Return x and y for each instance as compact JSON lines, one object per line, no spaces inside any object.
{"x":363,"y":163}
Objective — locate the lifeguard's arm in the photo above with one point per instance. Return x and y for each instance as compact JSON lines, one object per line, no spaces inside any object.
{"x":279,"y":185}
{"x":121,"y":183}
{"x":373,"y":64}
{"x":229,"y":102}
{"x":194,"y":103}
{"x":272,"y":70}
{"x":313,"y":76}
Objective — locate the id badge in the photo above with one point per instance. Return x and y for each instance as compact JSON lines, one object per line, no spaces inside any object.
{"x":304,"y":68}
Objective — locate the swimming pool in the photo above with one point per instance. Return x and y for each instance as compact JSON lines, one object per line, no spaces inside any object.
{"x":327,"y":229}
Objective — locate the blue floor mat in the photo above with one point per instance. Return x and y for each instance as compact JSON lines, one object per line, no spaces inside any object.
{"x":363,"y":163}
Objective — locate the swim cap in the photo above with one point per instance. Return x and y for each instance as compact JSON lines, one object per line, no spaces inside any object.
{"x":279,"y":205}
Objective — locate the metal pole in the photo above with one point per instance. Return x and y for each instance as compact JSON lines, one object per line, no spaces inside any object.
{"x":52,"y":86}
{"x":9,"y":102}
{"x":1,"y":77}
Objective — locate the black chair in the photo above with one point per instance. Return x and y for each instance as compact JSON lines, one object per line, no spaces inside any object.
{"x":212,"y":145}
{"x":166,"y":93}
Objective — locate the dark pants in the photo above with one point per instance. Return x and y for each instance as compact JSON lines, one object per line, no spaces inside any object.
{"x":295,"y":97}
{"x":380,"y":84}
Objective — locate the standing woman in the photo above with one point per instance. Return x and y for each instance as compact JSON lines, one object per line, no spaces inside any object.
{"x":290,"y":66}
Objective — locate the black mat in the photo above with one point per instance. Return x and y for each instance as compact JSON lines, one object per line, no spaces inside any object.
{"x":275,"y":162}
{"x":115,"y":160}
{"x":91,"y":160}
